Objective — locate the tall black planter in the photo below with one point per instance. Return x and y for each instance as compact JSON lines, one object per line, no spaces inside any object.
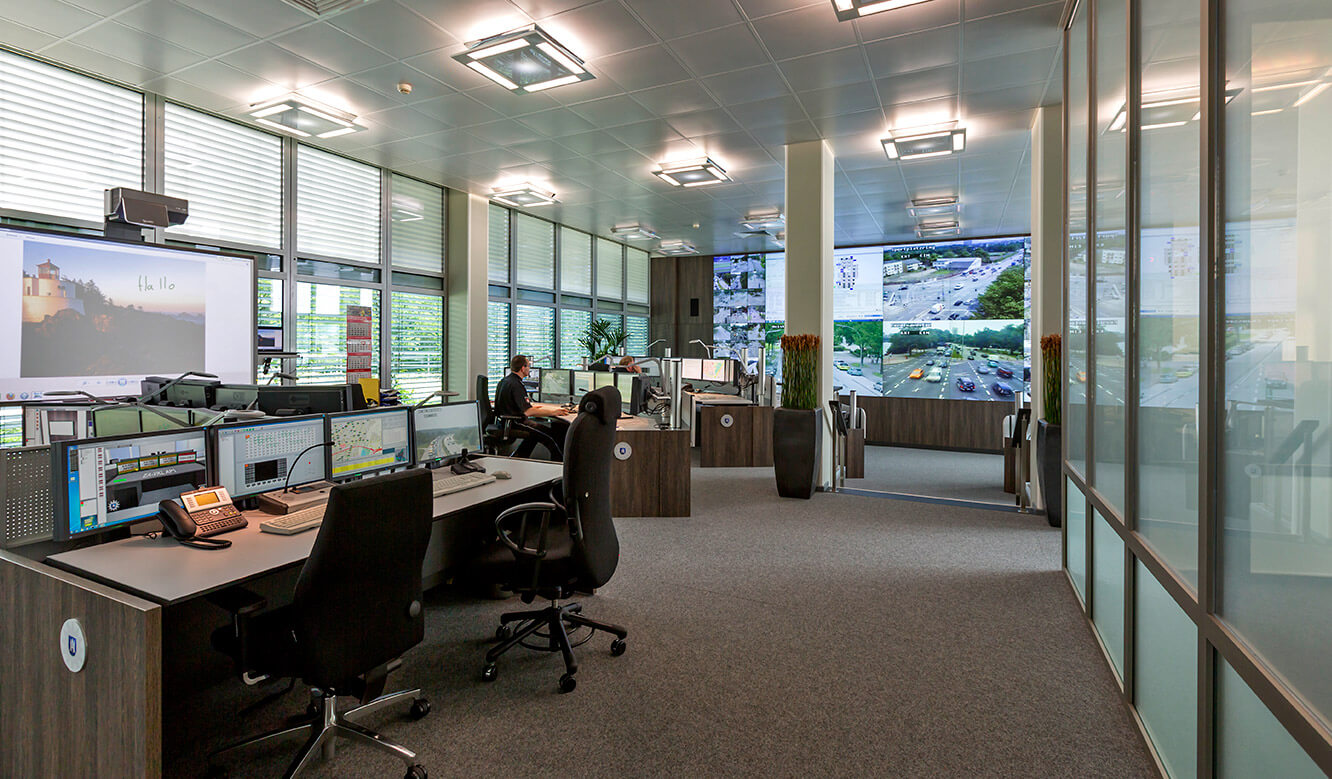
{"x":1048,"y":454}
{"x":797,"y":444}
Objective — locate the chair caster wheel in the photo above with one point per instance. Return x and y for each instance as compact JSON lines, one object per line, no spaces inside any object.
{"x":489,"y":673}
{"x":504,"y":632}
{"x":420,"y":708}
{"x":617,"y":647}
{"x":416,"y":772}
{"x":568,"y":683}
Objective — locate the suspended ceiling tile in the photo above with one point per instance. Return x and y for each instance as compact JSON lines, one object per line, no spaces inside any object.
{"x":912,"y":19}
{"x":506,"y":132}
{"x":350,"y":96}
{"x":804,"y":31}
{"x":56,"y":19}
{"x":242,"y":88}
{"x":684,"y":17}
{"x":393,"y":28}
{"x":649,"y":66}
{"x":590,"y":142}
{"x":136,"y":47}
{"x":385,"y":81}
{"x":920,"y":85}
{"x":451,"y":142}
{"x":766,"y":113}
{"x":276,"y":65}
{"x":540,"y":9}
{"x":471,"y":20}
{"x":459,"y":110}
{"x":260,"y":18}
{"x":865,"y":124}
{"x":830,"y":69}
{"x":1010,"y":70}
{"x":611,"y":112}
{"x":102,"y":64}
{"x":1012,"y":33}
{"x":24,"y":38}
{"x":755,"y":9}
{"x":851,"y":98}
{"x":748,"y":85}
{"x":103,"y":7}
{"x":597,"y":30}
{"x":500,"y":99}
{"x":720,"y":51}
{"x":649,"y":132}
{"x":680,"y":98}
{"x":556,"y":122}
{"x":172,"y":22}
{"x":1004,"y":100}
{"x":700,"y":123}
{"x":930,"y":49}
{"x":440,"y":64}
{"x":542,"y":151}
{"x":326,"y":45}
{"x":408,"y":121}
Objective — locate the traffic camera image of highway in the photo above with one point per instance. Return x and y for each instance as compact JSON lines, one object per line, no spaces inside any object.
{"x":959,"y":361}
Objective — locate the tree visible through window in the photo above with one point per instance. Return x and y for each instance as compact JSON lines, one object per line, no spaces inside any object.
{"x":321,"y":330}
{"x":416,"y":352}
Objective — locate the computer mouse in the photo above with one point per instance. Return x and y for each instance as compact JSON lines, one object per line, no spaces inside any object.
{"x":503,"y":475}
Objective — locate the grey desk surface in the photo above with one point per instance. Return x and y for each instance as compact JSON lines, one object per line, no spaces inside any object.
{"x":164,"y":571}
{"x":718,"y":399}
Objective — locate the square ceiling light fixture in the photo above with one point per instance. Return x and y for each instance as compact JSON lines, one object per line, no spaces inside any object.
{"x":524,"y":60}
{"x":854,"y":9}
{"x":676,"y":248}
{"x":933,"y":206}
{"x":691,"y":173}
{"x":523,"y":196}
{"x":769,"y":221}
{"x":300,"y":116}
{"x":633,"y":232}
{"x":916,"y":144}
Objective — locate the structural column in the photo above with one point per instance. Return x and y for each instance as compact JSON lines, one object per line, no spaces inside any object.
{"x":809,"y":262}
{"x":468,"y":238}
{"x":1047,"y":258}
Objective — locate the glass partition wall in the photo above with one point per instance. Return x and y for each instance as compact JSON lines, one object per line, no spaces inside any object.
{"x":1198,"y":370}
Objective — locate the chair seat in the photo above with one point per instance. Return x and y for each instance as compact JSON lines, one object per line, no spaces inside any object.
{"x":496,"y":564}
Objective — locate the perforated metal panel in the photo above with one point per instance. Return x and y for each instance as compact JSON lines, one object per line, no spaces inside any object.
{"x":25,"y":496}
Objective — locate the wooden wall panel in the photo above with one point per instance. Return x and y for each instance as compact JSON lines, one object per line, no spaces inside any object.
{"x":678,"y":284}
{"x":942,"y":424}
{"x":105,"y":720}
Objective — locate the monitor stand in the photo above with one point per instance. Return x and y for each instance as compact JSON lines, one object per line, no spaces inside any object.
{"x":465,"y":465}
{"x":279,"y":502}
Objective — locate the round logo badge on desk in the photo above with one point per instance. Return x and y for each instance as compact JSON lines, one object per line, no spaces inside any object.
{"x":73,"y":647}
{"x":727,"y":420}
{"x":623,"y":451}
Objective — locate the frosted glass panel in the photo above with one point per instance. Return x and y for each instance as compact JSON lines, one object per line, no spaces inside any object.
{"x":1075,"y":528}
{"x":1108,"y":588}
{"x":1166,"y":665}
{"x":1249,"y":740}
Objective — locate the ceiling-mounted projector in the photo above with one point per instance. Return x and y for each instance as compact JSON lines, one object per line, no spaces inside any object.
{"x":128,"y":211}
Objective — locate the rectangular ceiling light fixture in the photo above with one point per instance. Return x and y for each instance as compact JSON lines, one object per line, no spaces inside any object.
{"x":676,"y":247}
{"x":770,"y":221}
{"x":633,"y":232}
{"x":524,"y":60}
{"x":854,"y":9}
{"x":523,"y":196}
{"x":933,"y":206}
{"x":937,"y":232}
{"x":691,"y":173}
{"x":300,"y":116}
{"x":917,"y":146}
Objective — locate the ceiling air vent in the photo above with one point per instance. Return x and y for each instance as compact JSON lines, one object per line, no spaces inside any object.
{"x":325,"y":7}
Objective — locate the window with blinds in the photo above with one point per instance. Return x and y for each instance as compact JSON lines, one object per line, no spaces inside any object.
{"x":230,"y":174}
{"x":321,"y":330}
{"x":534,"y":334}
{"x":610,"y":269}
{"x":637,"y":328}
{"x":268,"y":313}
{"x":575,"y":262}
{"x":497,"y":342}
{"x":573,"y":324}
{"x":11,"y":427}
{"x":534,"y":251}
{"x":337,"y":206}
{"x":64,"y":138}
{"x":417,"y":224}
{"x":416,"y":351}
{"x":637,"y":275}
{"x":499,"y":244}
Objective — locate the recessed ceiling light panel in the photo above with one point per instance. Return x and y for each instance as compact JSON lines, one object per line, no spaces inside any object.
{"x":915,"y":146}
{"x":523,"y":196}
{"x":691,"y":173}
{"x":766,"y":221}
{"x":300,"y":116}
{"x":524,"y":60}
{"x":937,"y":232}
{"x":933,"y":206}
{"x":633,"y":232}
{"x":854,"y":9}
{"x":676,"y":247}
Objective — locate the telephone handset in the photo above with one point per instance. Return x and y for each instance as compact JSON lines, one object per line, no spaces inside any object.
{"x":207,"y":512}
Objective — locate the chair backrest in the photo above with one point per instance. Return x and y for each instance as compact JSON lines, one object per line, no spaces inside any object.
{"x":483,"y":397}
{"x":358,"y":598}
{"x":587,"y":487}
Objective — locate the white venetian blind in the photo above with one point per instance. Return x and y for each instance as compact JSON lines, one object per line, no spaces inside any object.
{"x":573,"y":325}
{"x":497,"y":342}
{"x":637,"y":328}
{"x":610,"y":269}
{"x":337,"y":206}
{"x":64,"y":138}
{"x":575,"y":262}
{"x":637,"y":275}
{"x":534,"y":251}
{"x":499,"y":245}
{"x":417,"y":222}
{"x":230,"y":174}
{"x":534,"y":334}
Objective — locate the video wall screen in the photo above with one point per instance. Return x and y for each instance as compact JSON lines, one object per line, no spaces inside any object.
{"x":926,"y":320}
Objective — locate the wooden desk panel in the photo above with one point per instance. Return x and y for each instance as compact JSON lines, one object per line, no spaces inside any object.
{"x":654,"y":481}
{"x":747,"y":443}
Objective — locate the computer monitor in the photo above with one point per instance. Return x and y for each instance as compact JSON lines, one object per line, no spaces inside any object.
{"x":718,"y":371}
{"x":556,"y":386}
{"x":234,"y":397}
{"x":152,"y":423}
{"x":367,"y":442}
{"x":442,"y":433}
{"x":631,"y":392}
{"x":691,"y":368}
{"x":103,"y":483}
{"x":116,"y":420}
{"x":582,"y":383}
{"x":533,"y":380}
{"x":191,"y":394}
{"x":53,"y":422}
{"x":603,"y":379}
{"x":277,"y":400}
{"x":269,"y":339}
{"x":255,"y":457}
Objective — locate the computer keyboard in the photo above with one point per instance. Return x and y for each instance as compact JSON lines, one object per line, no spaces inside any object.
{"x":457,"y":482}
{"x":295,"y":522}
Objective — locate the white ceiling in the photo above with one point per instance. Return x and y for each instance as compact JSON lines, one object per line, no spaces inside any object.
{"x":733,"y":79}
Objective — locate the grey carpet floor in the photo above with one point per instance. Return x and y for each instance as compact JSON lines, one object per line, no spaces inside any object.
{"x":845,"y":636}
{"x":935,"y":474}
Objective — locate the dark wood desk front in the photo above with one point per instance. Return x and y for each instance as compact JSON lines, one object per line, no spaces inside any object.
{"x":733,"y":436}
{"x":650,"y":473}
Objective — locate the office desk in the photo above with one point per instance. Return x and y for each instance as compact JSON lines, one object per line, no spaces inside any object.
{"x":650,"y":473}
{"x":107,"y":718}
{"x":734,"y":436}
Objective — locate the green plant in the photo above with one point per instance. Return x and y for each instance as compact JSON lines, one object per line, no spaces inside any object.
{"x":1052,"y":348}
{"x":602,"y":339}
{"x":800,"y":371}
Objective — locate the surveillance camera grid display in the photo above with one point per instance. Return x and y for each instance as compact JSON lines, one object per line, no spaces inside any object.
{"x":928,"y":320}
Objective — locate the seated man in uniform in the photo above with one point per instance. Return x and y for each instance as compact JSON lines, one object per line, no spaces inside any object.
{"x":511,"y":401}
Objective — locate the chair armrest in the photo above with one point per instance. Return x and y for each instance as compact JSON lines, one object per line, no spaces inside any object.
{"x":507,"y":534}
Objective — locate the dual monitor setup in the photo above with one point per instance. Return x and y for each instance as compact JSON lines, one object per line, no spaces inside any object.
{"x":565,"y":386}
{"x":108,"y":482}
{"x":715,"y":371}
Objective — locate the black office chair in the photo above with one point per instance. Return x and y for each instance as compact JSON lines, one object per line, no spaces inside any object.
{"x":551,"y":550}
{"x":510,"y":435}
{"x":356,"y":610}
{"x":497,"y":438}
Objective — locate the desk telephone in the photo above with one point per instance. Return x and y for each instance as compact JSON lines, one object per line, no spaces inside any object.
{"x":207,"y":512}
